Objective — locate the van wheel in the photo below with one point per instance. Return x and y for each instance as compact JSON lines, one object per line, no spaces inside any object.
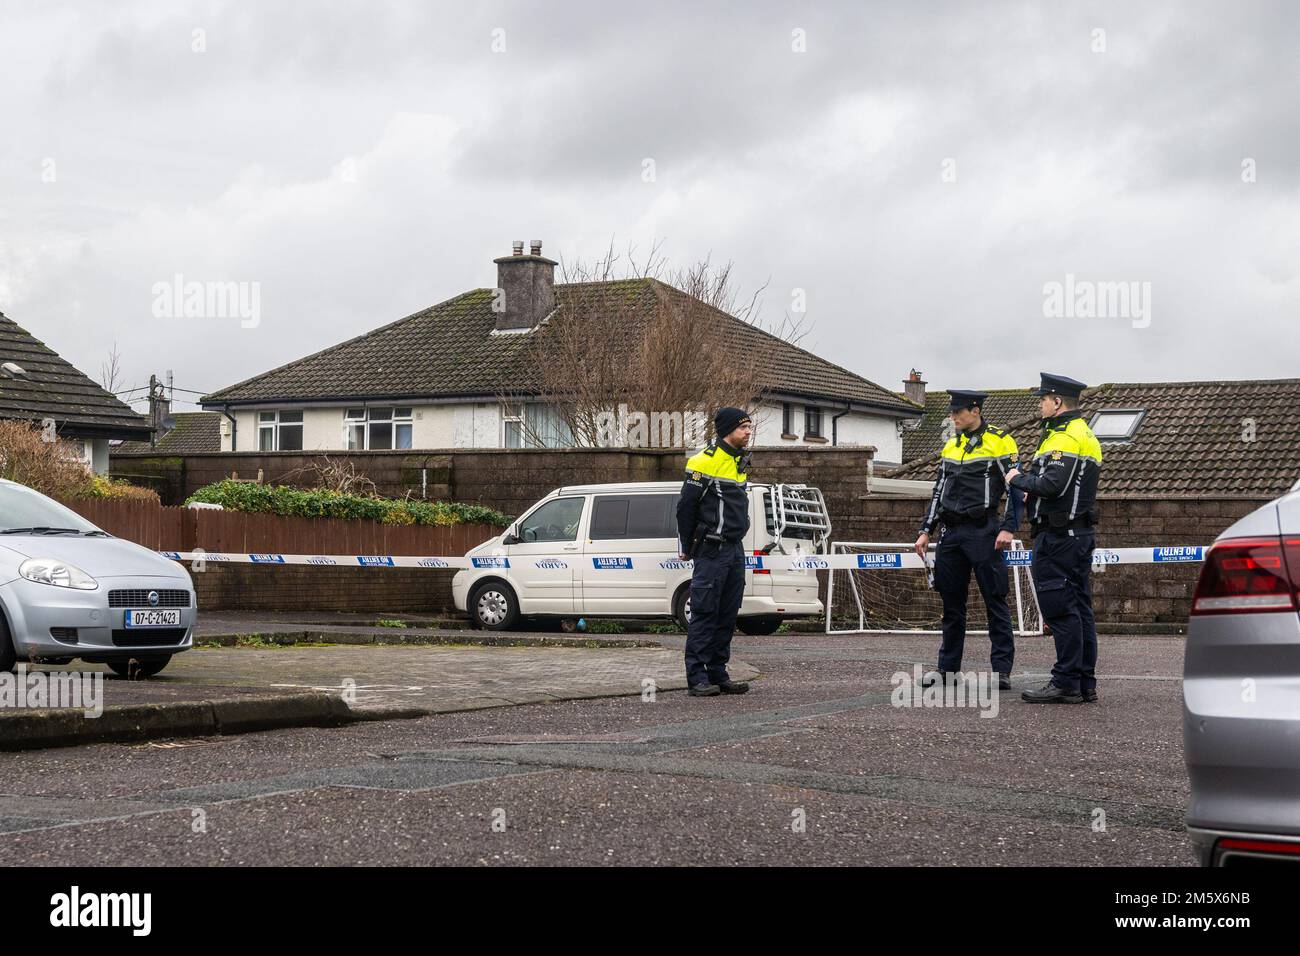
{"x":682,"y":606}
{"x":494,"y":606}
{"x":8,"y":656}
{"x":760,"y":624}
{"x":138,"y":667}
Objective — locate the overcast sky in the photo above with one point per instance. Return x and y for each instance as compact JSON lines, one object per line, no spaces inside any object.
{"x":920,"y":170}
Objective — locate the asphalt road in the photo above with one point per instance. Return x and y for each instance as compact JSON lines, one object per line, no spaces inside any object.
{"x":814,"y":766}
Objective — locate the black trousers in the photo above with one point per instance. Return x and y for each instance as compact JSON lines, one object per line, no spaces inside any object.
{"x":717,"y":587}
{"x":1062,"y":567}
{"x":964,"y":548}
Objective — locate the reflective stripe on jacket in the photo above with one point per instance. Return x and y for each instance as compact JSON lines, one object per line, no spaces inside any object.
{"x":972,"y":477}
{"x":1062,"y":478}
{"x":714,"y":494}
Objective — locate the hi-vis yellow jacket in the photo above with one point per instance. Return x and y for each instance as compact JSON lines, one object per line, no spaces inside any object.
{"x":1060,"y":484}
{"x":972,"y":478}
{"x":715,"y":494}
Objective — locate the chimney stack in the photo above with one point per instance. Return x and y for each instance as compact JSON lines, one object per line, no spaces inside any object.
{"x":914,"y":387}
{"x":527,"y":285}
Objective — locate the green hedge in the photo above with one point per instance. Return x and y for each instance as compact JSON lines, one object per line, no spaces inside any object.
{"x":297,"y":503}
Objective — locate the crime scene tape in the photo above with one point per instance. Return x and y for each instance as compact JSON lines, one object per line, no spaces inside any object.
{"x":871,"y":560}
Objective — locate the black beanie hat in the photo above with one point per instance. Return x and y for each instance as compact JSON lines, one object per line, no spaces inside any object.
{"x":727,"y":418}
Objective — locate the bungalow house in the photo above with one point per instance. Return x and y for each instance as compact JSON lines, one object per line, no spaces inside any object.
{"x":436,"y":379}
{"x":37,"y":385}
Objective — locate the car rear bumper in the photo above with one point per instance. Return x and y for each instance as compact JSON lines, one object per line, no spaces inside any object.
{"x":760,"y":604}
{"x":47,"y":621}
{"x":1232,"y":847}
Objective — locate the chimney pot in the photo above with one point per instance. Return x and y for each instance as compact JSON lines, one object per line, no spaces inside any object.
{"x":535,"y":247}
{"x":517,"y":247}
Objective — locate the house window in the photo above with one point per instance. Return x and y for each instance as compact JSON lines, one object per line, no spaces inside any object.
{"x":534,"y":425}
{"x":512,"y":420}
{"x":279,"y":431}
{"x":377,"y":429}
{"x":812,"y":422}
{"x":787,"y":419}
{"x":1117,"y":424}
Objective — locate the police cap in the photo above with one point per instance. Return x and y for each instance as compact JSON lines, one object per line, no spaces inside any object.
{"x":959,"y":398}
{"x":1059,"y":385}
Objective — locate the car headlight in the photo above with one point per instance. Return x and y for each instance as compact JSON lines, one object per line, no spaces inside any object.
{"x":58,"y":573}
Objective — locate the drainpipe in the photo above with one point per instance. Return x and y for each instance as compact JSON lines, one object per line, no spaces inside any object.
{"x":835,"y":421}
{"x":234,"y":428}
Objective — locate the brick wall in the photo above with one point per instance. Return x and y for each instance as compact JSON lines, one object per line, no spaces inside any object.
{"x":235,"y":587}
{"x":1156,"y":596}
{"x":509,"y":481}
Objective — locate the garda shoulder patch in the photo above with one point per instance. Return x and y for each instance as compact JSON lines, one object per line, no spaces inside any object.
{"x":1056,"y":455}
{"x":695,"y":475}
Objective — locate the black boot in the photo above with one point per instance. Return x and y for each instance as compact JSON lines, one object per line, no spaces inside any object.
{"x":704,"y":690}
{"x":1004,"y":682}
{"x":733,"y":687}
{"x":1051,"y":694}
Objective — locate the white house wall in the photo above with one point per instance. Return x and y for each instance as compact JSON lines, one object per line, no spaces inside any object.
{"x":854,"y":428}
{"x":478,"y":425}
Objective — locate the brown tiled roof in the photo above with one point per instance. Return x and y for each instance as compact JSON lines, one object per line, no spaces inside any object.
{"x":1005,"y":407}
{"x":1230,"y":439}
{"x":193,"y":432}
{"x":448,"y":351}
{"x":53,"y":388}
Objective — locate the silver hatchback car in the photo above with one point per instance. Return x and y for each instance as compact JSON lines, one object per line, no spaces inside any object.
{"x":1241,"y":692}
{"x":69,"y":590}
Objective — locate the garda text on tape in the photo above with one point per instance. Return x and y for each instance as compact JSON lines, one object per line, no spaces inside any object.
{"x":614,"y":563}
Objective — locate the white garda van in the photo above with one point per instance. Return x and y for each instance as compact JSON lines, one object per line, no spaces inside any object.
{"x":611,"y":551}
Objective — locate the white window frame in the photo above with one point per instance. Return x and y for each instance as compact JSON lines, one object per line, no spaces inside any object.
{"x":367,"y":420}
{"x":274,"y":424}
{"x":512,"y":413}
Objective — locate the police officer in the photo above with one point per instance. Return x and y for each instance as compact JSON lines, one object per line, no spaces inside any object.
{"x":712,"y":520}
{"x":1060,"y":487}
{"x":967,"y":492}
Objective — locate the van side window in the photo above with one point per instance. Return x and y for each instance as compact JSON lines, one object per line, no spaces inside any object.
{"x":554,"y":521}
{"x":634,"y":516}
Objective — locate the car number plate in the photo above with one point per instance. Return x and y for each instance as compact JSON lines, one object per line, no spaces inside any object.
{"x":152,"y":618}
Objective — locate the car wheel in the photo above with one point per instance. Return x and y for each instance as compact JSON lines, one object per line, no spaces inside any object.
{"x":8,"y":657}
{"x":759,"y":624}
{"x":494,"y":606}
{"x":682,"y":606}
{"x":138,"y":667}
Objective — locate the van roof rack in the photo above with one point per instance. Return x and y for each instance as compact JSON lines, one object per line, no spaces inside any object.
{"x":800,"y":507}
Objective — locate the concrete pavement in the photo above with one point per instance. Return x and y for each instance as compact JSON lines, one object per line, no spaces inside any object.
{"x":813,"y":766}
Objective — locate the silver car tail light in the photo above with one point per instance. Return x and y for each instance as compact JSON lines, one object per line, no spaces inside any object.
{"x":1249,"y":576}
